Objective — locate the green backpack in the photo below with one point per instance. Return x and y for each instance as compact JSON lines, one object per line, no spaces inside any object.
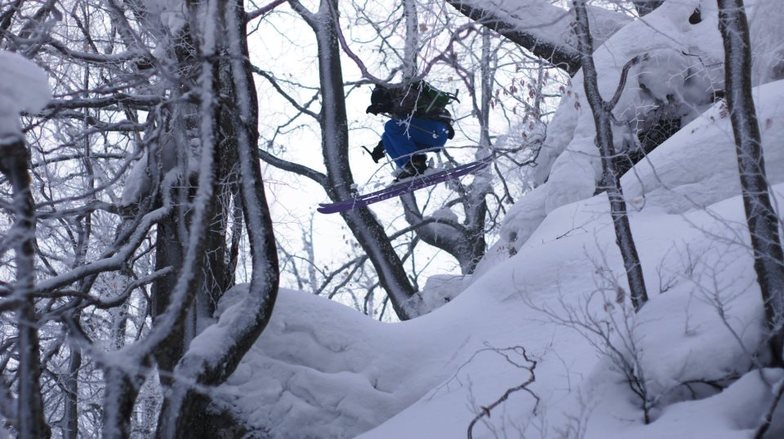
{"x":431,"y":99}
{"x":418,"y":98}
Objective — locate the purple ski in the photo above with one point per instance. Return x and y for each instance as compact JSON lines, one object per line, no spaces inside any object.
{"x":404,"y":187}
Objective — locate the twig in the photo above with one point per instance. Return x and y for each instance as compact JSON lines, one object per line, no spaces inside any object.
{"x":524,"y":386}
{"x":264,"y":9}
{"x":768,"y":418}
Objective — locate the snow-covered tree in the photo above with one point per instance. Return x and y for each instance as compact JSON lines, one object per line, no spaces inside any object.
{"x":24,"y":88}
{"x":610,"y":180}
{"x":761,"y":216}
{"x":141,"y":163}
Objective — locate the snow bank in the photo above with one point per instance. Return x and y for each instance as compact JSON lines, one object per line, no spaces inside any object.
{"x":322,"y":370}
{"x":668,"y":178}
{"x":680,"y":338}
{"x":732,"y":414}
{"x":24,"y":87}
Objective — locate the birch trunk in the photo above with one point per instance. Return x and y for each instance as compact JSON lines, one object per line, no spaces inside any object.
{"x":761,"y":217}
{"x":610,"y":178}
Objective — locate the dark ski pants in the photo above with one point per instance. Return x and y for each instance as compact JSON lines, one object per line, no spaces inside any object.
{"x":403,"y":138}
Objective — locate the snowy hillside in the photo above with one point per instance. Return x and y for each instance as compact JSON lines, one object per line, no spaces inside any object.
{"x":680,"y":70}
{"x":322,"y":370}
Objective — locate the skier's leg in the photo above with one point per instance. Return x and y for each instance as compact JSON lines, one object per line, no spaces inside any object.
{"x":428,"y":134}
{"x":398,"y":142}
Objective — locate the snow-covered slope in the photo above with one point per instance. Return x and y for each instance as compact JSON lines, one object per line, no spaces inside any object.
{"x":321,"y":370}
{"x":557,"y":284}
{"x":681,"y":71}
{"x":690,"y":232}
{"x":686,"y":182}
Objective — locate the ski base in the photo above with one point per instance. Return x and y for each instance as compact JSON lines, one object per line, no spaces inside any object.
{"x":404,"y":187}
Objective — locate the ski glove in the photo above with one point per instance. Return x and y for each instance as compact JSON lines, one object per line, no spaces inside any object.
{"x":375,"y":109}
{"x":378,"y":152}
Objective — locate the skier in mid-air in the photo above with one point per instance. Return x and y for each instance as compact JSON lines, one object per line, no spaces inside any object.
{"x":419,"y":123}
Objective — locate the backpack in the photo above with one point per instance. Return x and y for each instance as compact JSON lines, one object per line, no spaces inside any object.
{"x":418,"y":99}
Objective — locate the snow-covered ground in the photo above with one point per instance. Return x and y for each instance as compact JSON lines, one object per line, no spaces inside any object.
{"x":322,"y":370}
{"x":551,"y":319}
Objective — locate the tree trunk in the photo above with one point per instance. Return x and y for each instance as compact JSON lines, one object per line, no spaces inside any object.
{"x":186,"y":406}
{"x":120,"y":394}
{"x":610,"y":178}
{"x":339,"y":180}
{"x":70,"y":424}
{"x":761,"y":217}
{"x":215,"y":277}
{"x":14,"y":159}
{"x":168,"y":253}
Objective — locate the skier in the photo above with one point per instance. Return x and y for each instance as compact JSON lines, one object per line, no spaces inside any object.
{"x":419,"y":123}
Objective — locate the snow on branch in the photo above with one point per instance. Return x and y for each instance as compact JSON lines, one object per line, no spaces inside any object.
{"x":541,"y":27}
{"x":24,"y":87}
{"x":264,"y":10}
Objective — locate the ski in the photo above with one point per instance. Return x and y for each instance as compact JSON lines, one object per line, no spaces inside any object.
{"x":403,"y":187}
